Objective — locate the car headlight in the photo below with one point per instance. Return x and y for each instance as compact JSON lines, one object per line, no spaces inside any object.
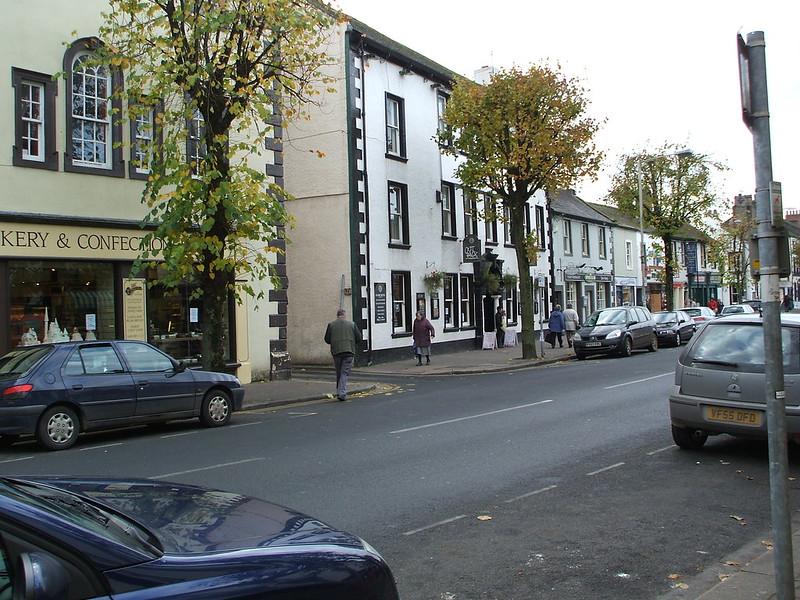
{"x":614,"y":334}
{"x":577,"y":337}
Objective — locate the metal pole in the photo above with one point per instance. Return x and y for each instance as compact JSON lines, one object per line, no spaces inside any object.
{"x":770,"y":288}
{"x":642,"y":247}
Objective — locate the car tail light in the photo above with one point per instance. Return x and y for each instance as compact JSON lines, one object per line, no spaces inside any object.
{"x":18,"y":391}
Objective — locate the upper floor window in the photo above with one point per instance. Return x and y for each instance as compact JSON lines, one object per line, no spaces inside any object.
{"x":398,"y":214}
{"x":34,"y":115}
{"x":585,"y":239}
{"x":441,"y":105}
{"x":601,"y":238}
{"x":196,"y":141}
{"x":540,"y":223}
{"x":448,"y":210}
{"x":470,"y":213}
{"x":628,"y":254}
{"x":703,"y":258}
{"x":395,"y":127}
{"x":32,"y":100}
{"x":567,"y":236}
{"x":490,"y":218}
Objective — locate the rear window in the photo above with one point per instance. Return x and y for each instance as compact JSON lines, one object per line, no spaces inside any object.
{"x":692,"y":312}
{"x":740,"y":347}
{"x":18,"y":362}
{"x":670,"y":317}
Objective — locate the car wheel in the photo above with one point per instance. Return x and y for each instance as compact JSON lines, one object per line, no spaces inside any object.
{"x":7,"y":440}
{"x":627,"y":347}
{"x":678,"y":340}
{"x":580,"y":355}
{"x":58,"y":428}
{"x":689,"y":439}
{"x":216,"y":409}
{"x":653,"y":344}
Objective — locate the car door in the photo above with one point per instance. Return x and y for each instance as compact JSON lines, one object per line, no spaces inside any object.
{"x":96,"y":380}
{"x":161,"y":388}
{"x":641,"y":332}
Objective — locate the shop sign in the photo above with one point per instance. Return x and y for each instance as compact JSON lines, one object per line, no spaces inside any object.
{"x":380,"y":303}
{"x":64,"y":241}
{"x":626,"y":281}
{"x":690,"y":252}
{"x":472,"y":248}
{"x":134,"y":314}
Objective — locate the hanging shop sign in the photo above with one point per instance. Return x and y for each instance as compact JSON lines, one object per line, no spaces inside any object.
{"x":472,"y":248}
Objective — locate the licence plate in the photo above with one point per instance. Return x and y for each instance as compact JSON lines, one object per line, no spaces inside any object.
{"x":749,"y":418}
{"x":593,"y":344}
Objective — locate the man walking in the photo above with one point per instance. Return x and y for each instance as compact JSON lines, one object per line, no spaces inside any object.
{"x":571,"y":323}
{"x":344,"y":338}
{"x":498,"y":326}
{"x":556,"y":326}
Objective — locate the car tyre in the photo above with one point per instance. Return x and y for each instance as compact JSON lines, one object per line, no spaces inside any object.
{"x":689,"y":439}
{"x":580,"y":355}
{"x":627,"y":347}
{"x":653,"y":343}
{"x":216,"y":409}
{"x":58,"y":428}
{"x":678,"y":340}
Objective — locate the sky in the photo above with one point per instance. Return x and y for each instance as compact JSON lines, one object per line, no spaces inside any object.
{"x":655,"y":72}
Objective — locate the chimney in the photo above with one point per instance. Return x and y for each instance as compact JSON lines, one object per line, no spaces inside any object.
{"x":484,"y":74}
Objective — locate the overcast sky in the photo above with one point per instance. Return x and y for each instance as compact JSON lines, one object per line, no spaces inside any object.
{"x":655,"y":71}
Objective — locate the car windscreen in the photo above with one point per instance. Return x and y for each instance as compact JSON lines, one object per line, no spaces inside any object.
{"x":692,"y":312}
{"x":740,"y":347}
{"x":607,"y":317}
{"x":665,"y":318}
{"x":21,"y":360}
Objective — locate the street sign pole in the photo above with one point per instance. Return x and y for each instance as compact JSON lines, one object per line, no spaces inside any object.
{"x":755,"y":111}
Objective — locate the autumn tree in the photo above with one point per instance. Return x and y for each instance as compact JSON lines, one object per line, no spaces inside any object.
{"x":218,"y":75}
{"x":728,"y":249}
{"x":677,"y":190}
{"x":523,"y":132}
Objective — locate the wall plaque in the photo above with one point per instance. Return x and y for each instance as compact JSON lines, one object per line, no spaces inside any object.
{"x":380,"y":303}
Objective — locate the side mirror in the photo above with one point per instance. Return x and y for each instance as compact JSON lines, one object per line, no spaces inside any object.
{"x":180,"y":367}
{"x":43,"y":577}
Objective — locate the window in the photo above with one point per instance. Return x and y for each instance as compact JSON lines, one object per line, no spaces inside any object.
{"x":601,"y":237}
{"x":441,"y":105}
{"x":567,"y":236}
{"x":448,"y":210}
{"x":601,"y":296}
{"x":540,"y":227}
{"x":507,"y":225}
{"x":143,"y":140}
{"x":195,"y":141}
{"x":94,"y":360}
{"x":144,"y":359}
{"x":490,"y":218}
{"x":450,"y":288}
{"x":571,"y":293}
{"x":629,"y":254}
{"x":585,"y":239}
{"x":34,"y":143}
{"x":467,"y":301}
{"x":742,"y":345}
{"x":703,"y":257}
{"x":401,"y":302}
{"x":512,"y":303}
{"x":395,"y":127}
{"x":93,"y":133}
{"x":398,"y":214}
{"x":470,"y":213}
{"x":677,"y":253}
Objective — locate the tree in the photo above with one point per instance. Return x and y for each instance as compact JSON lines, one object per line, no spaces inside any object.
{"x":521,"y":133}
{"x":728,"y":249}
{"x":677,"y":190}
{"x":220,"y":74}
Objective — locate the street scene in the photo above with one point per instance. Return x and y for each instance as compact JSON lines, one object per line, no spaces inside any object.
{"x":353,"y":301}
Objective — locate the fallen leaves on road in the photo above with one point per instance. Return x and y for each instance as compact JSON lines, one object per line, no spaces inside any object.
{"x":724,"y":576}
{"x":732,"y":563}
{"x":767,"y":544}
{"x":484,"y":518}
{"x":673,"y":576}
{"x":739,"y":519}
{"x":722,"y":462}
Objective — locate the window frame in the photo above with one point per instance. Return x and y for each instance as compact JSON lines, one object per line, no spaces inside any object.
{"x":441,"y":106}
{"x":116,"y":164}
{"x":453,"y":280}
{"x":157,"y":138}
{"x":470,"y":204}
{"x":628,"y":254}
{"x":602,"y":251}
{"x":567,"y":236}
{"x":468,"y":299}
{"x":449,"y":216}
{"x":196,"y":149}
{"x":512,"y":306}
{"x":403,"y":242}
{"x":490,"y":224}
{"x":585,"y":244}
{"x":49,"y":87}
{"x":400,"y":126}
{"x":540,"y":227}
{"x":123,"y":344}
{"x":405,"y":329}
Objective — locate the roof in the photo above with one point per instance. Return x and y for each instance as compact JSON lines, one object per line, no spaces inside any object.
{"x":687,"y":232}
{"x":567,"y":203}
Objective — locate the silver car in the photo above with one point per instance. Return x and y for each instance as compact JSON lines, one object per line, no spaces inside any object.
{"x":719,"y":381}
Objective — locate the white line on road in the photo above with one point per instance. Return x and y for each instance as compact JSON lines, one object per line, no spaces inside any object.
{"x":486,"y":414}
{"x":98,"y":447}
{"x":297,"y":415}
{"x":169,"y":435}
{"x":605,"y":469}
{"x":445,"y":522}
{"x":661,"y":449}
{"x":611,"y":387}
{"x":529,"y":494}
{"x":208,"y":468}
{"x":10,"y":460}
{"x":245,"y":424}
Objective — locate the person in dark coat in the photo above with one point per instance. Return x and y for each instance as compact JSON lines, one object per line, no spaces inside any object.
{"x":556,"y":325}
{"x":422,"y":332}
{"x":498,"y":326}
{"x":344,"y":339}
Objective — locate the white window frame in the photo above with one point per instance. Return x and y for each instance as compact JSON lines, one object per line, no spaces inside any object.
{"x":143,"y":131}
{"x":601,"y":296}
{"x":96,"y":123}
{"x":601,"y":240}
{"x":490,"y":218}
{"x":540,"y":227}
{"x":585,"y":249}
{"x":570,"y":293}
{"x":393,"y":127}
{"x":396,"y":215}
{"x":451,"y":283}
{"x":567,"y":235}
{"x":29,"y":122}
{"x":448,"y":219}
{"x":441,"y":105}
{"x":470,"y":213}
{"x":466,"y":304}
{"x":402,"y":302}
{"x":628,"y":254}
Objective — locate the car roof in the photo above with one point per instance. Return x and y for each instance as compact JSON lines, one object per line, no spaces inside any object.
{"x":786,"y":318}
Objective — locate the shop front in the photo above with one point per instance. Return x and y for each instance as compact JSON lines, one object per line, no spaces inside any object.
{"x":64,"y":282}
{"x":626,"y":291}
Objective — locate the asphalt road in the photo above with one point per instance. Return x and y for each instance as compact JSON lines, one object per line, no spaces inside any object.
{"x":555,"y":482}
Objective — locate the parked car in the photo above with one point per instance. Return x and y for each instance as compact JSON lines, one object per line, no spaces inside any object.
{"x":57,"y":391}
{"x":673,"y":327}
{"x":719,"y":381}
{"x":620,"y":330}
{"x":68,"y":538}
{"x":700,"y":314}
{"x":735,"y":309}
{"x":756,"y":304}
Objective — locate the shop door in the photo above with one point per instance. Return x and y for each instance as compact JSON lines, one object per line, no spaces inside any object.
{"x":95,"y":380}
{"x":160,"y":388}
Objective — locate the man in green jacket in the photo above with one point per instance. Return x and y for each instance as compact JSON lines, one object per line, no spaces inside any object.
{"x":344,"y":339}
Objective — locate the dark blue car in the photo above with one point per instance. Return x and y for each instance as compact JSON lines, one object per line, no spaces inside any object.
{"x":56,"y":391}
{"x":64,"y":539}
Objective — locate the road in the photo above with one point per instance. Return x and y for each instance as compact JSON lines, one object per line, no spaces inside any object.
{"x":554,"y":482}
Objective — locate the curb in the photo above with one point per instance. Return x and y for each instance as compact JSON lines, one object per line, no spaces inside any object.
{"x":312,"y":398}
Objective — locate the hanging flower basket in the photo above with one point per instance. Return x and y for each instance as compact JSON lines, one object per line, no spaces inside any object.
{"x":509,"y":281}
{"x":491,"y":283}
{"x":433,"y":281}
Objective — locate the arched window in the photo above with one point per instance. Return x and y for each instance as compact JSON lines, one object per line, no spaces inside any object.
{"x":93,"y":114}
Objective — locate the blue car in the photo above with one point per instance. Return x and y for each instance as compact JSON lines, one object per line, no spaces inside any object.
{"x":56,"y":391}
{"x":66,"y":538}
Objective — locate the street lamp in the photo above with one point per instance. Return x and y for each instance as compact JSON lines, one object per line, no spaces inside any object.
{"x":639,"y":161}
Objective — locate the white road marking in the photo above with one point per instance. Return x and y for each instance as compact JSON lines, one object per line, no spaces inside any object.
{"x":297,"y":415}
{"x":619,"y":464}
{"x":10,"y":460}
{"x":445,"y":522}
{"x":486,"y":414}
{"x":169,"y":435}
{"x":98,"y":447}
{"x":611,"y":387}
{"x":245,"y":424}
{"x":661,"y":449}
{"x":529,"y":494}
{"x":208,"y":468}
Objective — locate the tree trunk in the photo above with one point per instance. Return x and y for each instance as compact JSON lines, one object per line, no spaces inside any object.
{"x":669,"y":273}
{"x":517,"y":206}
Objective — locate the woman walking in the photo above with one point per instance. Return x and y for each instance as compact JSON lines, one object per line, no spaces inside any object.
{"x":422,"y":332}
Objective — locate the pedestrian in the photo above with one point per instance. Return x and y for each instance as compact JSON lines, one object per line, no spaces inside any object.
{"x":571,"y":323}
{"x":344,"y":338}
{"x":556,"y":326}
{"x":712,"y":304}
{"x":422,"y":332}
{"x":786,"y":303}
{"x":499,"y":328}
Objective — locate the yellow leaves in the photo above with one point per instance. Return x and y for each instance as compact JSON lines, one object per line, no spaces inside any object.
{"x":767,"y":544}
{"x":678,"y":585}
{"x":484,"y":518}
{"x":738,"y":519}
